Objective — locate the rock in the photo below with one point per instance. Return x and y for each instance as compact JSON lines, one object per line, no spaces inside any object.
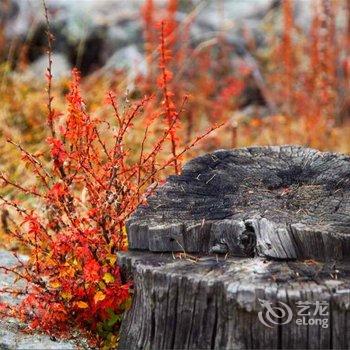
{"x":12,"y":337}
{"x":7,"y":260}
{"x":227,"y":13}
{"x":60,"y":67}
{"x":125,"y":33}
{"x":89,"y":32}
{"x":127,"y":58}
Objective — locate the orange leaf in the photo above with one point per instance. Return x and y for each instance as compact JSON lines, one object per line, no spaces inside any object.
{"x":82,"y":304}
{"x":99,"y":296}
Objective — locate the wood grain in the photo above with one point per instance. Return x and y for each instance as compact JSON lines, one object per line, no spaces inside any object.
{"x":285,"y":202}
{"x":213,"y":303}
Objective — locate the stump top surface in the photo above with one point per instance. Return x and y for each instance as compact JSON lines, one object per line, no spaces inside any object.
{"x":287,"y":183}
{"x":290,"y":188}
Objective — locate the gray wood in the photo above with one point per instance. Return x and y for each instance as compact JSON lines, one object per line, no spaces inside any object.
{"x":249,"y":218}
{"x":282,"y":202}
{"x":213,"y":302}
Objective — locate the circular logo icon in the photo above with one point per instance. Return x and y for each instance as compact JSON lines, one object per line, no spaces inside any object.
{"x":272,"y":315}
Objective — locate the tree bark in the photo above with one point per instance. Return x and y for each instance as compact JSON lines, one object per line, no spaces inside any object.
{"x":213,"y":303}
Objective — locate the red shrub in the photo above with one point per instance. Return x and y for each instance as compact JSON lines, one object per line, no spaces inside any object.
{"x":93,"y":182}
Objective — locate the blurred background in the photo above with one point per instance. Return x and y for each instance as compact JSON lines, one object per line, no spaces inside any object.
{"x":274,"y":71}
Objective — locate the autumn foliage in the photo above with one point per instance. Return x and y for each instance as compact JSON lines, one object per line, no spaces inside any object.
{"x":204,"y":72}
{"x":88,"y":183}
{"x":300,"y":77}
{"x":311,"y":83}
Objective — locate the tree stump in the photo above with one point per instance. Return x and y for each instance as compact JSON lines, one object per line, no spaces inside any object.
{"x":264,"y":241}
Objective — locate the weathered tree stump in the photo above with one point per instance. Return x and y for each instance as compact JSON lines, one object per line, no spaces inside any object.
{"x":251,"y":217}
{"x":213,"y":303}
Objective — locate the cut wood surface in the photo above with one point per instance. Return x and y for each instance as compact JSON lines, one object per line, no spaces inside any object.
{"x":282,"y":202}
{"x":213,"y":303}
